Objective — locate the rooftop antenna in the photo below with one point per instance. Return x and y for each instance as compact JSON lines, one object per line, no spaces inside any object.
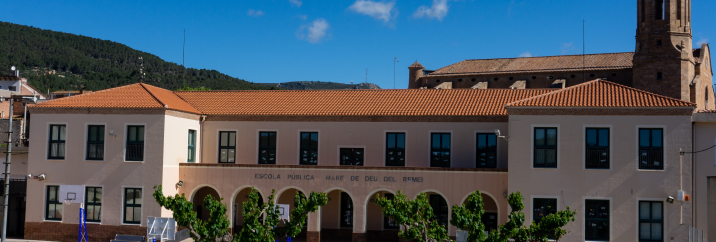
{"x":395,"y":60}
{"x":366,"y":75}
{"x":141,"y":69}
{"x":584,"y":52}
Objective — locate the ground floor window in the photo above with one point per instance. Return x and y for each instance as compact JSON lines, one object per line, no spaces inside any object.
{"x":53,"y":209}
{"x":651,"y":221}
{"x":596,"y":220}
{"x":440,"y":209}
{"x":346,"y":210}
{"x":543,"y":207}
{"x":132,"y":205}
{"x":93,"y":204}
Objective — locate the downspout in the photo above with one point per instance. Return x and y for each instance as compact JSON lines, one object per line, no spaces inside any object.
{"x":201,"y":137}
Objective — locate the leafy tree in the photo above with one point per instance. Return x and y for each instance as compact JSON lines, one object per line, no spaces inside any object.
{"x":215,"y":229}
{"x":416,"y":216}
{"x":268,"y":230}
{"x":468,"y":217}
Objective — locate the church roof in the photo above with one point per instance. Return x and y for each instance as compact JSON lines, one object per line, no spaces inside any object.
{"x":599,"y":93}
{"x":416,"y":65}
{"x":539,"y":64}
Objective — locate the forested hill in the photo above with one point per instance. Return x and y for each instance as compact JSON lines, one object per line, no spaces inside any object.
{"x":319,"y":85}
{"x":60,"y":61}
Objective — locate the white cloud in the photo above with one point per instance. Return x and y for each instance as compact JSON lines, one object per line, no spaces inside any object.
{"x":314,"y":32}
{"x":567,"y":47}
{"x":438,"y":11}
{"x":255,"y":13}
{"x":303,"y":17}
{"x":298,"y":3}
{"x":525,"y":54}
{"x":701,"y":42}
{"x":377,"y":10}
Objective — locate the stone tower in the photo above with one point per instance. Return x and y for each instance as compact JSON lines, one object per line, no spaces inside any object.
{"x":416,"y":72}
{"x":663,"y":62}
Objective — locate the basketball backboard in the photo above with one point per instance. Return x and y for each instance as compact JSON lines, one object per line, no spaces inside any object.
{"x":72,"y":193}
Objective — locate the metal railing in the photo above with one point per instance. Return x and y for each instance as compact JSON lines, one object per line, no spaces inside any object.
{"x":651,"y":158}
{"x":597,"y":158}
{"x":545,"y":157}
{"x":135,"y":152}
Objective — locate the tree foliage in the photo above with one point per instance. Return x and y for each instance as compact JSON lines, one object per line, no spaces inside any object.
{"x":269,"y":229}
{"x":416,"y":216}
{"x":216,"y":228}
{"x":61,"y":61}
{"x":469,"y":217}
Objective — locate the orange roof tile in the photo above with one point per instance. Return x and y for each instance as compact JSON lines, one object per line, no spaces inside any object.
{"x":411,"y":102}
{"x":539,"y":64}
{"x":599,"y":93}
{"x":130,"y":96}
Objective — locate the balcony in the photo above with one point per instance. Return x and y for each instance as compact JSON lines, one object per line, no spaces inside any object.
{"x":651,"y":158}
{"x":135,"y":152}
{"x":597,"y":158}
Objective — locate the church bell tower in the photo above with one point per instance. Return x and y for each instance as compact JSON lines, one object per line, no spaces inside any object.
{"x":663,"y":59}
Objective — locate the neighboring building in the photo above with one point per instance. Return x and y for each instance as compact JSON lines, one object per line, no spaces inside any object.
{"x":61,"y":94}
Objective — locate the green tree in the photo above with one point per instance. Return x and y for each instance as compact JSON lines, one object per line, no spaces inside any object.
{"x":416,"y":216}
{"x":215,"y":229}
{"x":469,"y":217}
{"x":268,"y":230}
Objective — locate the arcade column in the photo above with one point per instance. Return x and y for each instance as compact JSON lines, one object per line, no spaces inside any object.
{"x":314,"y":227}
{"x":359,"y":231}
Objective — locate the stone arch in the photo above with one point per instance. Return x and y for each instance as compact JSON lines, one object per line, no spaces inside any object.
{"x":494,"y":199}
{"x":235,"y":210}
{"x":282,"y":198}
{"x":447,"y":203}
{"x":197,"y":188}
{"x":284,"y":189}
{"x":198,"y":200}
{"x":374,"y":222}
{"x":338,"y":217}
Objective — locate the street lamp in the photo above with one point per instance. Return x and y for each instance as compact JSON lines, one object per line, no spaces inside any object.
{"x":13,"y":98}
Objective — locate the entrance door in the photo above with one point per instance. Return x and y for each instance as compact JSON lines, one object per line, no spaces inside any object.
{"x":346,"y":210}
{"x":351,"y":156}
{"x":440,"y":209}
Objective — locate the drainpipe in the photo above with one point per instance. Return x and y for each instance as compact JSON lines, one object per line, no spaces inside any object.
{"x":201,"y":135}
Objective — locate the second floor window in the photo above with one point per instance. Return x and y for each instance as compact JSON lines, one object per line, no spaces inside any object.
{"x":545,"y":148}
{"x":267,"y":147}
{"x":227,"y":146}
{"x":597,"y":149}
{"x":135,"y":143}
{"x":351,"y":156}
{"x":651,"y":149}
{"x":486,"y":151}
{"x":395,"y":149}
{"x":309,"y":148}
{"x":57,"y":142}
{"x":95,"y":142}
{"x":191,"y":147}
{"x":440,"y":150}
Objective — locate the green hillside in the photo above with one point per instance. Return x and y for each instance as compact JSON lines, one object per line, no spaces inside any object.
{"x":60,"y":61}
{"x":319,"y":85}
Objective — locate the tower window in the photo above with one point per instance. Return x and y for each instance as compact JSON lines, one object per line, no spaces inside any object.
{"x":534,"y":77}
{"x":473,"y":79}
{"x":659,"y":76}
{"x":614,"y":74}
{"x":659,"y":9}
{"x":497,"y":78}
{"x":659,"y":42}
{"x":591,"y":75}
{"x":573,"y":76}
{"x":459,"y":80}
{"x":678,"y":9}
{"x":511,"y":78}
{"x":437,"y":80}
{"x":550,"y":77}
{"x":643,"y":13}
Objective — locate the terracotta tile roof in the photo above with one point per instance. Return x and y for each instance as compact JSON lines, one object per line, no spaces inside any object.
{"x":600,"y":93}
{"x":411,"y":102}
{"x":129,"y":96}
{"x":539,"y":64}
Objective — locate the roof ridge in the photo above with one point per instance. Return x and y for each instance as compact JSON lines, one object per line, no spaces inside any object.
{"x":645,"y":92}
{"x":535,"y":57}
{"x":88,"y":93}
{"x":553,"y":92}
{"x":153,"y":95}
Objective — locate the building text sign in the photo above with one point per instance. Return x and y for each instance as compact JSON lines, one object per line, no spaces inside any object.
{"x":309,"y":177}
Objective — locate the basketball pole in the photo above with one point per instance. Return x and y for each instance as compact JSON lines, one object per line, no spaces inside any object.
{"x":8,"y":154}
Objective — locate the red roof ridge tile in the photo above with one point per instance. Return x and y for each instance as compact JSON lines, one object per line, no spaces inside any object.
{"x":153,"y":95}
{"x":86,"y":94}
{"x":549,"y":56}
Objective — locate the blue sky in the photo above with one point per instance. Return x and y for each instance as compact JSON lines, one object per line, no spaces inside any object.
{"x":337,"y":40}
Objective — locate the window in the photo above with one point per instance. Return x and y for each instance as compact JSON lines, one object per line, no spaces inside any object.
{"x":659,"y":42}
{"x":53,"y":211}
{"x":486,"y":151}
{"x":12,"y":88}
{"x":651,"y":221}
{"x":389,"y":223}
{"x":191,"y":147}
{"x":659,"y":9}
{"x":643,"y":13}
{"x":57,"y":142}
{"x":135,"y":143}
{"x":93,"y":204}
{"x":227,"y":146}
{"x":395,"y":149}
{"x":351,"y":156}
{"x":543,"y":207}
{"x":440,"y":209}
{"x":545,"y":150}
{"x":309,"y":148}
{"x":651,"y":149}
{"x":440,"y":150}
{"x":95,"y":142}
{"x":597,"y":148}
{"x":678,"y":9}
{"x":267,"y":147}
{"x":132,"y":205}
{"x":659,"y":76}
{"x":490,"y":221}
{"x":597,"y":220}
{"x":346,"y":210}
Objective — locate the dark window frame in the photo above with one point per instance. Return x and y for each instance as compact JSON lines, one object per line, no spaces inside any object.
{"x":398,"y":154}
{"x":594,"y":155}
{"x":268,"y":151}
{"x":537,"y":202}
{"x":133,"y":205}
{"x":439,"y":159}
{"x":97,"y":145}
{"x":597,"y":211}
{"x":546,"y":146}
{"x":191,"y":146}
{"x":228,"y":147}
{"x":651,"y":221}
{"x":134,"y":149}
{"x":651,"y":152}
{"x":440,"y":216}
{"x":306,"y":150}
{"x":353,"y":157}
{"x":93,"y":203}
{"x":58,"y":141}
{"x":489,"y":163}
{"x":55,"y":203}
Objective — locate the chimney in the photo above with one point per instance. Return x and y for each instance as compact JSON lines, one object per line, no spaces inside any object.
{"x":17,"y":73}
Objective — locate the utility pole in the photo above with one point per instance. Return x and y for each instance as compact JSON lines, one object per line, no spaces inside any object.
{"x":395,"y":60}
{"x":366,"y":75}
